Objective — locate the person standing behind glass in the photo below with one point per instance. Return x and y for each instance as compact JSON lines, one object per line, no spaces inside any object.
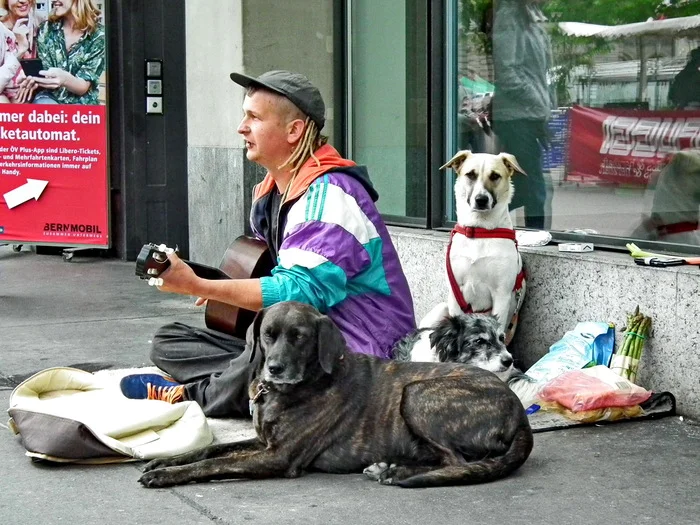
{"x":523,"y":101}
{"x":72,"y":50}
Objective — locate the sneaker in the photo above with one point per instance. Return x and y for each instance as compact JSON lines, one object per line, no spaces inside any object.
{"x":152,"y":386}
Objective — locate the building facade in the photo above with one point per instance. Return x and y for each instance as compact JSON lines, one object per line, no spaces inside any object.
{"x":604,"y":116}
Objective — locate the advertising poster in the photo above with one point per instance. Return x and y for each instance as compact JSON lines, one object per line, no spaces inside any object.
{"x":627,"y":146}
{"x":54,"y":184}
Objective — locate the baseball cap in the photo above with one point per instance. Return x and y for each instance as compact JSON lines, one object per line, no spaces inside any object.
{"x":294,"y":86}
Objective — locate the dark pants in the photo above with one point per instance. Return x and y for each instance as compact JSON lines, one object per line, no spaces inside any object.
{"x":524,"y":138}
{"x":214,"y":367}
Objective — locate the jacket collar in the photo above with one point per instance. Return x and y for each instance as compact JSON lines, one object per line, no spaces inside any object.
{"x":329,"y":159}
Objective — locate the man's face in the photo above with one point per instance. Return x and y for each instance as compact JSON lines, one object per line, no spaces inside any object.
{"x":264,"y":129}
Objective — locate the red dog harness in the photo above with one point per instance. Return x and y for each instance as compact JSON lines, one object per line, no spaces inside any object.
{"x":478,"y":233}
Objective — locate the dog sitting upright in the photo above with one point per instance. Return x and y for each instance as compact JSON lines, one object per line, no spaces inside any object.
{"x":484,"y":269}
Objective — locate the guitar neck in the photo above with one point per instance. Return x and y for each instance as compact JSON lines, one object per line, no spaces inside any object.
{"x":207,"y":272}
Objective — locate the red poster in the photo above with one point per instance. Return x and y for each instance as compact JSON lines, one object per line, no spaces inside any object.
{"x":53,"y":174}
{"x":626,"y":146}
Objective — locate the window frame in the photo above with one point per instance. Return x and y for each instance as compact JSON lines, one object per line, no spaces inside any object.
{"x":442,"y":66}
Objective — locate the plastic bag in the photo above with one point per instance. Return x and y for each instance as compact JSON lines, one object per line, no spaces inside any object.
{"x":588,"y":344}
{"x":591,"y":389}
{"x":599,"y":414}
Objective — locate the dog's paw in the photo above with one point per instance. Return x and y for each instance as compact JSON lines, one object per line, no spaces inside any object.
{"x":159,"y":478}
{"x":393,"y":475}
{"x":375,"y":470}
{"x":157,"y":463}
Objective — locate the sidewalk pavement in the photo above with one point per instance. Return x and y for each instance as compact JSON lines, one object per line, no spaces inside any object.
{"x":93,"y":313}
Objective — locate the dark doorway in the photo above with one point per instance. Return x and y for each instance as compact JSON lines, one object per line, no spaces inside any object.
{"x":148,"y":151}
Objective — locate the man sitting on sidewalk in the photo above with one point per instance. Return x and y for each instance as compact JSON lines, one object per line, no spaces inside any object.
{"x":316,"y":212}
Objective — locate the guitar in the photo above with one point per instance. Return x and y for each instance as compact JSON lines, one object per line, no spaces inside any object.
{"x":246,"y":258}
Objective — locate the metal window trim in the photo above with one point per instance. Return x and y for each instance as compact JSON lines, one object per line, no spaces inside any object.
{"x":348,"y":109}
{"x":437,"y":59}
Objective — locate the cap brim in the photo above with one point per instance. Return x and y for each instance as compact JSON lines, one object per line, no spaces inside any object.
{"x":246,"y":82}
{"x":242,"y":80}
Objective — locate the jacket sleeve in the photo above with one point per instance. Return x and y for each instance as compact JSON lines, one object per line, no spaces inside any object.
{"x":325,"y":245}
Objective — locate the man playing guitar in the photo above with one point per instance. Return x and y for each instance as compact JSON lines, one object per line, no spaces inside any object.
{"x":315,"y":211}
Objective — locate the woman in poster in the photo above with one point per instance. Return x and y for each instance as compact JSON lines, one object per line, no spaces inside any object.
{"x":18,"y":30}
{"x":71,"y":46}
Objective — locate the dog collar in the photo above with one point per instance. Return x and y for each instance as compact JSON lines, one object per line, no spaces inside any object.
{"x":484,"y":233}
{"x":261,"y":391}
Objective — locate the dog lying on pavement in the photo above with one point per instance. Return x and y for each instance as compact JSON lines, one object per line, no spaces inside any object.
{"x":317,"y":406}
{"x":484,"y":269}
{"x":472,"y":339}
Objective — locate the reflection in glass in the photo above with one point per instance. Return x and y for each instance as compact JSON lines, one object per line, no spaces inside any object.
{"x":596,"y":100}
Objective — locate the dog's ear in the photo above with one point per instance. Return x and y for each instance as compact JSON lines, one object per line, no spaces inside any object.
{"x":511,"y":163}
{"x":330,"y":343}
{"x":456,"y":161}
{"x":252,"y":335}
{"x":445,"y":338}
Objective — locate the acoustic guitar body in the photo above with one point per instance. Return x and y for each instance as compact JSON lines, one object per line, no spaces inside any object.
{"x":246,"y":258}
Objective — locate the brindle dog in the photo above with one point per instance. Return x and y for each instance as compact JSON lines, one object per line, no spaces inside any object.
{"x":317,"y":406}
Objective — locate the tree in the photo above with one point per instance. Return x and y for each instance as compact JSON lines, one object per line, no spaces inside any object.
{"x":617,"y":12}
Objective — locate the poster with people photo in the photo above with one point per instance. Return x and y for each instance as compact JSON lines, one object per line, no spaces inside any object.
{"x":53,"y":129}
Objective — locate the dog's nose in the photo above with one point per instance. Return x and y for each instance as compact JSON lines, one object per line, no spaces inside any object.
{"x":481,"y":200}
{"x":275,"y":369}
{"x":506,"y":361}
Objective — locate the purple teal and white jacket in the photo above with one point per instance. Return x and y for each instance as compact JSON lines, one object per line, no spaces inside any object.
{"x":334,"y":252}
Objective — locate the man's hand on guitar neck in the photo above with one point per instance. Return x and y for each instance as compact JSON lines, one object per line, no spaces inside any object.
{"x":180,"y":278}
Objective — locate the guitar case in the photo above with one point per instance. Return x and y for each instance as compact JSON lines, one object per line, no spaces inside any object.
{"x":68,"y":415}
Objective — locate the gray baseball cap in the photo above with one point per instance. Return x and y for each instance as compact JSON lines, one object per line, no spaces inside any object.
{"x":294,"y":86}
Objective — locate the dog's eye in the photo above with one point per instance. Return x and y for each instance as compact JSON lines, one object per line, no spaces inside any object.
{"x":471,"y":175}
{"x":502,"y":338}
{"x":494,"y":176}
{"x":480,"y":341}
{"x":294,"y":335}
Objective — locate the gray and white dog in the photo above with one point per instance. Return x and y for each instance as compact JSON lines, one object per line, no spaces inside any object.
{"x":473,"y":339}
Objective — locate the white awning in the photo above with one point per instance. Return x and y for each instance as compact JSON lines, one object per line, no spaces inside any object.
{"x":670,"y":27}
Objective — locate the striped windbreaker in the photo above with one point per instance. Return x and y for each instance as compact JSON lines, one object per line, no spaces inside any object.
{"x":336,"y":254}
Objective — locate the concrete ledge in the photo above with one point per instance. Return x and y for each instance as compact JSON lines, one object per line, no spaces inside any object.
{"x":564,"y":288}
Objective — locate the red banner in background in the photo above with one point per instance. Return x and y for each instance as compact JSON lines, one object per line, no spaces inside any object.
{"x":626,"y":146}
{"x":53,"y":174}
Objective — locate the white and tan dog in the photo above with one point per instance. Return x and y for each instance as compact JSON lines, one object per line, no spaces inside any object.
{"x":484,"y":268}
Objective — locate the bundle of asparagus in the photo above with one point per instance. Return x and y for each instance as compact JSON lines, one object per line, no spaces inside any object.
{"x":625,"y":361}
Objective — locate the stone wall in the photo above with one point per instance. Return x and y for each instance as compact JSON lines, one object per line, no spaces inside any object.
{"x":565,"y":288}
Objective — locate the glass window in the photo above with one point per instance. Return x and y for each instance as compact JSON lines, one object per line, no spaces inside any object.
{"x":600,"y":104}
{"x":387,"y":119}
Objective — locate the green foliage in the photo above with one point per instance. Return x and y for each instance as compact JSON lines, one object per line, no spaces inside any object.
{"x":616,"y":12}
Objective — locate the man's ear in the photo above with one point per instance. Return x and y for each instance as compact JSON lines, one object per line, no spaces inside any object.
{"x":456,"y":162}
{"x":295,"y":130}
{"x":252,"y":335}
{"x":330,"y":343}
{"x":511,"y":163}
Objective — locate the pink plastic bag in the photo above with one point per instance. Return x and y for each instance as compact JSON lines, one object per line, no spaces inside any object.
{"x":592,"y":388}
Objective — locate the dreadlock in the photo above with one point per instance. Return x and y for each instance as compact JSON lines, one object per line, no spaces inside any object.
{"x":310,"y":142}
